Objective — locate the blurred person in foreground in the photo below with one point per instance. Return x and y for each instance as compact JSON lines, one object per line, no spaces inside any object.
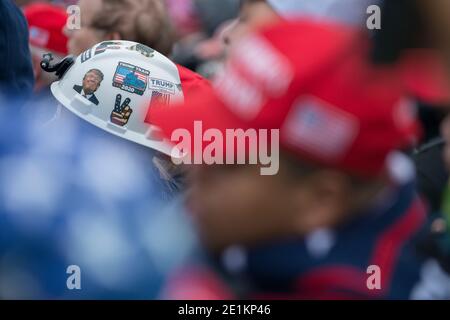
{"x":343,"y":201}
{"x":16,"y":72}
{"x":73,"y":196}
{"x":423,"y":72}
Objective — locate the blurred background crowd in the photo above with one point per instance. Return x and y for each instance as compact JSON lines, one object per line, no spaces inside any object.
{"x":72,"y":194}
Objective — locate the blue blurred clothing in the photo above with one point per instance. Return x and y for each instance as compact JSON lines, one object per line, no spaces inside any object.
{"x":16,"y":71}
{"x":332,"y":263}
{"x":72,"y":194}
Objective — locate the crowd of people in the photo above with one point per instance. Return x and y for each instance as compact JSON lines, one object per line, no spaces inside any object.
{"x":93,"y":92}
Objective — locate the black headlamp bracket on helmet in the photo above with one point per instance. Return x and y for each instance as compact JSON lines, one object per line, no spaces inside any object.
{"x":59,"y":68}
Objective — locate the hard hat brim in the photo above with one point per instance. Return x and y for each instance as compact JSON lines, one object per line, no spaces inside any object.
{"x":163,"y":146}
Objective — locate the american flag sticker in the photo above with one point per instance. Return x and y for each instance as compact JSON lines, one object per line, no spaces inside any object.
{"x":160,"y":98}
{"x":131,"y":78}
{"x":320,"y":128}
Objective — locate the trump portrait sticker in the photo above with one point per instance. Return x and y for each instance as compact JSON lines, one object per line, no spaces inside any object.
{"x":91,"y":82}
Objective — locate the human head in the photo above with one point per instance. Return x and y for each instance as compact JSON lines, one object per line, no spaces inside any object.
{"x":92,"y":80}
{"x":235,"y":205}
{"x":339,"y":118}
{"x":145,"y":22}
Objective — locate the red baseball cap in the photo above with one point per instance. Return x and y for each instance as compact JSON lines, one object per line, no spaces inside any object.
{"x":314,"y":83}
{"x":45,"y":25}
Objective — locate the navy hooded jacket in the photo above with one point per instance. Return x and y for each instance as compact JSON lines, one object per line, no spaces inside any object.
{"x":16,"y":71}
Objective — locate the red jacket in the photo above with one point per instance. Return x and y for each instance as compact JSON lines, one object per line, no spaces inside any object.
{"x":191,"y":81}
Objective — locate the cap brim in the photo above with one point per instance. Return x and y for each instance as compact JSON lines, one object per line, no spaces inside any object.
{"x":203,"y":111}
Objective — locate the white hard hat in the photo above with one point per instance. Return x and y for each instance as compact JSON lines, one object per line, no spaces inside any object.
{"x":112,"y":85}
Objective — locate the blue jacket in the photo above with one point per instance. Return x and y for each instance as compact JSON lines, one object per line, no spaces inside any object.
{"x":343,"y":263}
{"x":16,"y":71}
{"x":72,"y":194}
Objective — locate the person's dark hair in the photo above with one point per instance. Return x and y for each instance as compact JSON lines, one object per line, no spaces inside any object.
{"x":143,"y":21}
{"x":297,"y":170}
{"x":361,"y":190}
{"x":97,"y":72}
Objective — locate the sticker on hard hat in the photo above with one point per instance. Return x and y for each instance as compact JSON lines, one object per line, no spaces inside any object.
{"x":143,"y":49}
{"x":161,"y":85}
{"x":106,"y":45}
{"x":136,"y":76}
{"x":130,"y":78}
{"x":91,"y":82}
{"x":122,"y":112}
{"x":85,"y":56}
{"x":160,"y":98}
